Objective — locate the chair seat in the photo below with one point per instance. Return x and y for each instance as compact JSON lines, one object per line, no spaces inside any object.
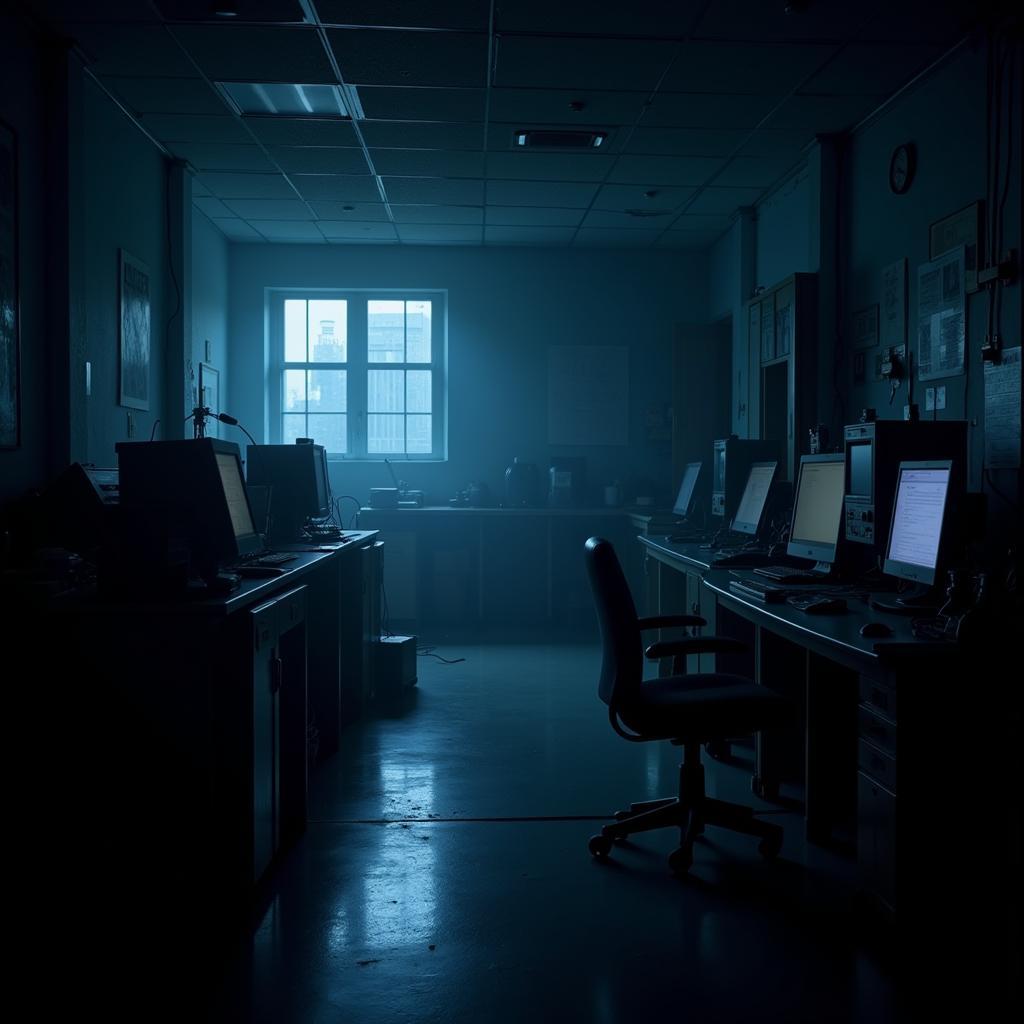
{"x":703,"y":707}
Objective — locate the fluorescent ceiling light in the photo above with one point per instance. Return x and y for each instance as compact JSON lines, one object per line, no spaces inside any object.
{"x":558,"y":138}
{"x":278,"y":99}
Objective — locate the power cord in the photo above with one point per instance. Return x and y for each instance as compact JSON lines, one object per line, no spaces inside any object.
{"x":427,"y":651}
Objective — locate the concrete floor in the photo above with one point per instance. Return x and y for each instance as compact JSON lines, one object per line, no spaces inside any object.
{"x":420,"y":894}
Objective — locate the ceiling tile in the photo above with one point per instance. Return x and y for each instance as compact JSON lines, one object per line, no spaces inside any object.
{"x":166,"y":95}
{"x":350,"y":211}
{"x":743,"y":67}
{"x":280,"y":11}
{"x":428,"y":163}
{"x":247,"y":186}
{"x":549,"y":166}
{"x":358,"y":230}
{"x":238,"y":230}
{"x":651,"y":18}
{"x":696,"y":110}
{"x":211,"y":207}
{"x":664,"y":170}
{"x":822,"y":113}
{"x":633,"y":197}
{"x":871,"y":68}
{"x":101,"y":10}
{"x":546,"y":106}
{"x":915,"y":21}
{"x":754,"y":171}
{"x":198,"y":188}
{"x":537,"y":235}
{"x":702,"y":223}
{"x":686,"y":240}
{"x":723,"y":200}
{"x":564,"y":194}
{"x":685,"y":141}
{"x":439,"y":233}
{"x":257,"y":53}
{"x":375,"y":57}
{"x":399,"y":104}
{"x":537,"y":216}
{"x":416,"y":191}
{"x":288,"y":230}
{"x":613,"y":238}
{"x":207,"y":156}
{"x":437,"y":214}
{"x":337,"y":187}
{"x":270,"y":209}
{"x":422,"y":135}
{"x":471,"y":15}
{"x":758,"y":21}
{"x":148,"y":51}
{"x":319,"y":160}
{"x":195,"y":128}
{"x":562,"y":63}
{"x":302,"y":131}
{"x":623,"y":221}
{"x":775,"y":142}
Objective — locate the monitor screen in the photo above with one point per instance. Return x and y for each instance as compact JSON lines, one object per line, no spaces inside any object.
{"x":818,"y":507}
{"x":860,"y":469}
{"x":918,"y":512}
{"x":755,"y":494}
{"x":297,"y":476}
{"x":686,"y":489}
{"x":234,"y":491}
{"x":718,"y":483}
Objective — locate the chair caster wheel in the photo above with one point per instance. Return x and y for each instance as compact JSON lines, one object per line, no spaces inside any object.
{"x":680,"y":860}
{"x":600,"y":846}
{"x":769,"y":847}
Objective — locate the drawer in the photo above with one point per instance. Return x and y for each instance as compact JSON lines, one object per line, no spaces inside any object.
{"x":878,"y":764}
{"x":876,"y":729}
{"x":878,"y":697}
{"x":876,"y":839}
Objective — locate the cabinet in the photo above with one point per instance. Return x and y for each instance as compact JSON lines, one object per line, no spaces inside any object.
{"x":782,"y":354}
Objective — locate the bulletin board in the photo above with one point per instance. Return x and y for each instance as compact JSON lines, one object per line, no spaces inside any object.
{"x":588,"y":395}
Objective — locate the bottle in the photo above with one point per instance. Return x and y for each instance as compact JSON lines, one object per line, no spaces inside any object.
{"x":522,"y":484}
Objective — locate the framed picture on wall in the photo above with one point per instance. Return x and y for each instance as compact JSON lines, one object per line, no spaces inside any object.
{"x":10,"y":368}
{"x":134,"y":327}
{"x":209,"y":396}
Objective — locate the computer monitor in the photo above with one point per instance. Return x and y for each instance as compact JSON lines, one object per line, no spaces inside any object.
{"x":919,"y":511}
{"x":755,"y":494}
{"x":195,"y":493}
{"x":684,"y":498}
{"x":818,"y":508}
{"x":297,"y":474}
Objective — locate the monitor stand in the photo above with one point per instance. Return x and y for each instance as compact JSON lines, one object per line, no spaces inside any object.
{"x":917,"y":600}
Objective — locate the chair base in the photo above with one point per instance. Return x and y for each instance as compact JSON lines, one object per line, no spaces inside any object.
{"x":690,"y":812}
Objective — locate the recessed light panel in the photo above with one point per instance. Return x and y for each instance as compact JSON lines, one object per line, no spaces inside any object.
{"x":278,"y":99}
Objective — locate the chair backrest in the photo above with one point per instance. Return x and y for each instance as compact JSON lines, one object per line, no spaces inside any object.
{"x":622,"y":659}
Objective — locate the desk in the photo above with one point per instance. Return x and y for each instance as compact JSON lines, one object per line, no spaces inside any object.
{"x":912,"y":807}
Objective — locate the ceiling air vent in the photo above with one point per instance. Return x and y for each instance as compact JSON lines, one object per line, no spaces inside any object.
{"x":553,"y":139}
{"x":647,"y":213}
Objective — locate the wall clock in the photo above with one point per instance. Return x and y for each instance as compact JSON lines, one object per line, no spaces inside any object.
{"x":901,"y":168}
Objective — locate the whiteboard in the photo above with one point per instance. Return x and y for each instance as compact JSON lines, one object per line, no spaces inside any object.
{"x":588,"y":394}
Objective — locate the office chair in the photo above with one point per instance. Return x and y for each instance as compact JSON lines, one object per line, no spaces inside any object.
{"x":688,"y":710}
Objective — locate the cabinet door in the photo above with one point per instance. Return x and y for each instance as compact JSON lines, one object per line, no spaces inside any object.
{"x":266,"y":674}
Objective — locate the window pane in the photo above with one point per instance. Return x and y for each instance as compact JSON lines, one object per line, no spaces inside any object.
{"x":294,"y":330}
{"x":386,"y":329}
{"x":418,"y":428}
{"x":384,"y":391}
{"x":328,"y":390}
{"x":328,"y":330}
{"x":417,"y":337}
{"x":384,"y":434}
{"x":417,"y":391}
{"x":330,"y":431}
{"x":294,"y":390}
{"x":291,"y":428}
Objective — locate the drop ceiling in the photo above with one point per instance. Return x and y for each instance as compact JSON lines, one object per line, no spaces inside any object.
{"x":707,"y":104}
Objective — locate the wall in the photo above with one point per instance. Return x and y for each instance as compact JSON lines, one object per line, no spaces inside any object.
{"x":784,"y":230}
{"x":21,"y":107}
{"x":505,"y":307}
{"x":125,"y":208}
{"x":210,"y":302}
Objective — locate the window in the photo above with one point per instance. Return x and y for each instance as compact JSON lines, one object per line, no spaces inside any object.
{"x":361,"y":372}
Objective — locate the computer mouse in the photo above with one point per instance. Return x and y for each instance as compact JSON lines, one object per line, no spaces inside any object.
{"x":875,"y":629}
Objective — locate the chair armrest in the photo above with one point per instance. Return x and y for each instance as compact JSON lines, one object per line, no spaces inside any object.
{"x":695,"y":645}
{"x":670,"y":621}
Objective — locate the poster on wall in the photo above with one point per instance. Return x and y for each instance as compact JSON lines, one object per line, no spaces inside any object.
{"x":960,"y":228}
{"x":941,"y":328}
{"x":588,"y":394}
{"x":865,"y":327}
{"x":1002,"y":411}
{"x":893,"y":319}
{"x":10,"y":412}
{"x":135,"y":332}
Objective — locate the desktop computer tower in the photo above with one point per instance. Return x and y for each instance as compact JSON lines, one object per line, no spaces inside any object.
{"x":730,"y":466}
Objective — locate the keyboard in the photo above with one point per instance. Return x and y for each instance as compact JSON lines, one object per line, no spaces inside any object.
{"x":275,"y":558}
{"x":787,"y":574}
{"x":755,"y":590}
{"x":739,"y":559}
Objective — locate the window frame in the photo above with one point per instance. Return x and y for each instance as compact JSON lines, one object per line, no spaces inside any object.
{"x":358,"y":365}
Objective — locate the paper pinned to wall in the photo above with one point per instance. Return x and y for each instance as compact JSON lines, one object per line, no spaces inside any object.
{"x":588,"y":394}
{"x":941,"y":326}
{"x":1002,"y":411}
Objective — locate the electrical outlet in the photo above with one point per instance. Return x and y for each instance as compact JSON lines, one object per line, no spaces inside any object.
{"x":131,"y":426}
{"x":940,"y":397}
{"x":929,"y":399}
